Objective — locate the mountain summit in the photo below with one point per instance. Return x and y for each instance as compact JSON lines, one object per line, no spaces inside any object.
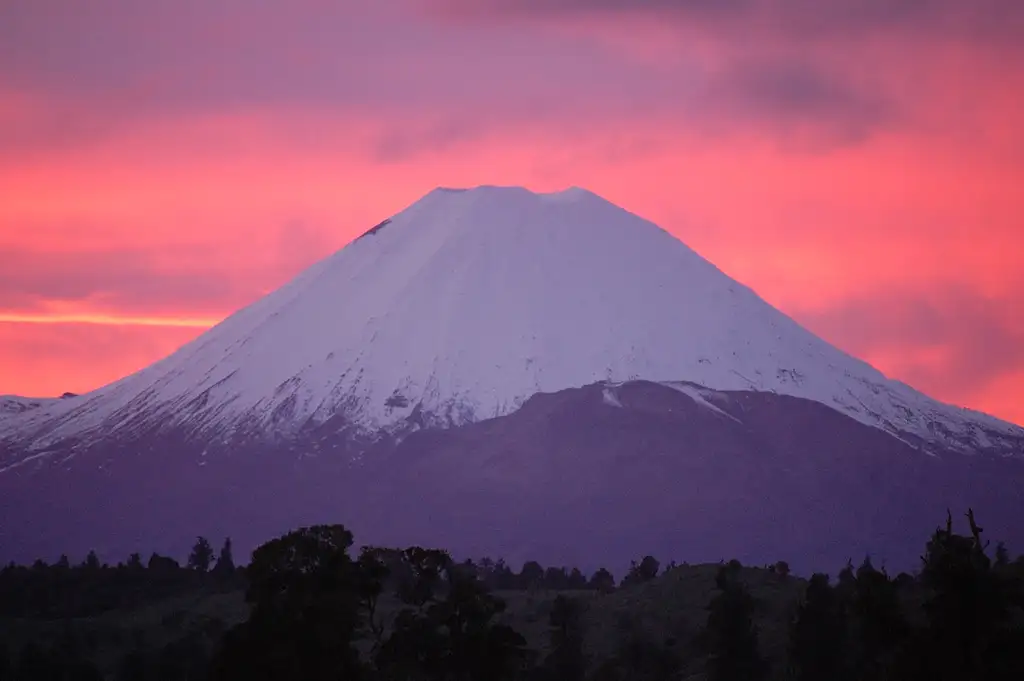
{"x":466,"y":303}
{"x":488,"y":356}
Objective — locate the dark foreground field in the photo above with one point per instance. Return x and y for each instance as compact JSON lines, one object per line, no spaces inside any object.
{"x":307,"y":607}
{"x":672,"y":607}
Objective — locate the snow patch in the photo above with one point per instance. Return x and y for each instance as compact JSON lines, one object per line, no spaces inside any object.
{"x":699,"y":396}
{"x":609,"y":397}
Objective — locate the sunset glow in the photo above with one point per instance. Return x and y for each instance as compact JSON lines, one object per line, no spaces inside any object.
{"x":105,"y":319}
{"x":163,"y":164}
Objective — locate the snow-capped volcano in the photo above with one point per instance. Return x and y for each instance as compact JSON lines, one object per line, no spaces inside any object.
{"x":505,"y":373}
{"x":465,"y":304}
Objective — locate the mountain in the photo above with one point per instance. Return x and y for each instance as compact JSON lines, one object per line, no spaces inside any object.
{"x":451,"y":317}
{"x":465,"y":304}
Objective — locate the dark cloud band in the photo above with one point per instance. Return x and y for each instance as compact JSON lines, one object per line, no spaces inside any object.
{"x":984,"y":21}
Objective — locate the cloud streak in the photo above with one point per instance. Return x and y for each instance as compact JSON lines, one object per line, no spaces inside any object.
{"x":108,"y":320}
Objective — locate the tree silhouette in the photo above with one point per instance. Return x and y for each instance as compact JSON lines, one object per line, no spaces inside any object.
{"x":1002,"y":555}
{"x":447,"y":629}
{"x":225,"y":565}
{"x":730,"y":637}
{"x":92,"y":562}
{"x":577,"y":580}
{"x":201,"y":557}
{"x":566,"y":661}
{"x":373,"y":571}
{"x":478,"y":647}
{"x":502,"y":576}
{"x":817,"y":634}
{"x":603,"y":581}
{"x":304,"y":591}
{"x":556,"y":579}
{"x":135,"y":562}
{"x":532,"y":575}
{"x":969,"y":608}
{"x":644,"y":571}
{"x":878,"y":626}
{"x":162,"y":565}
{"x":421,"y":573}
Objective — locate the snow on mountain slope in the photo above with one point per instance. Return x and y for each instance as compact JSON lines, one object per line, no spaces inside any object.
{"x":468,"y":302}
{"x":14,"y":404}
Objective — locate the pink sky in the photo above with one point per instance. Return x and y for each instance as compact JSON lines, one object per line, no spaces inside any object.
{"x":859,"y":164}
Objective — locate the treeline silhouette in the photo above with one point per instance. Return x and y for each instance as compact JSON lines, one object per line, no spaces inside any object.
{"x":318,"y":612}
{"x":62,"y":590}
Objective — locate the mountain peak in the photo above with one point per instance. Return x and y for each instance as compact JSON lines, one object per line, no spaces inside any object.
{"x":513,"y":222}
{"x":514,"y":190}
{"x":497,"y":198}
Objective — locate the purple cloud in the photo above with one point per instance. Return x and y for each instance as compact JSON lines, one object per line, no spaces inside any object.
{"x":106,"y":64}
